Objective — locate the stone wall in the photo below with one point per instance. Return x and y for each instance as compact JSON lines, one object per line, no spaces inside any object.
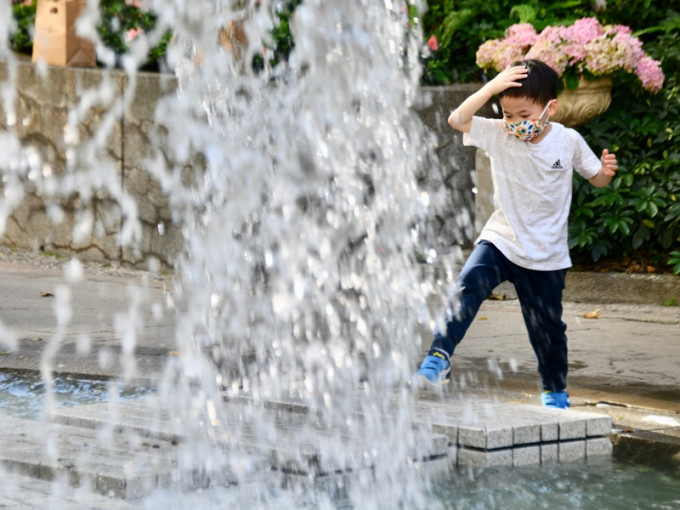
{"x":456,"y":164}
{"x":89,"y":226}
{"x":94,"y":227}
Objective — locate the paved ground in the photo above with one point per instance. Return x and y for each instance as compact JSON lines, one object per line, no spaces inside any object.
{"x":623,"y":363}
{"x":628,"y":356}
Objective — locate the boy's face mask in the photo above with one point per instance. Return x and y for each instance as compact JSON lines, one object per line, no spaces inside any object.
{"x":527,"y":130}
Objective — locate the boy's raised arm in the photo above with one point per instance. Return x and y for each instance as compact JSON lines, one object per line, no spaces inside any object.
{"x":461,"y":117}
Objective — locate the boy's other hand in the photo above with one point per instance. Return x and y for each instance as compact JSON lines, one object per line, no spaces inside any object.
{"x":609,"y":165}
{"x":506,"y":79}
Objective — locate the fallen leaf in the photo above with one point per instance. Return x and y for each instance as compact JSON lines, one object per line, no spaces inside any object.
{"x":5,"y":353}
{"x":46,"y":294}
{"x":174,"y":353}
{"x":483,"y":318}
{"x":497,"y":297}
{"x":595,"y":314}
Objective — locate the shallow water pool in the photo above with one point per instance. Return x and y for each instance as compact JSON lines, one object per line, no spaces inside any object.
{"x":22,"y":394}
{"x":597,"y":484}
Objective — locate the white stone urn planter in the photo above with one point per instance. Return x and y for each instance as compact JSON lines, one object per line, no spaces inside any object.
{"x":591,"y":98}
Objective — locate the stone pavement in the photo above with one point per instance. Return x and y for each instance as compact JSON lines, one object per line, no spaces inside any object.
{"x":623,"y":370}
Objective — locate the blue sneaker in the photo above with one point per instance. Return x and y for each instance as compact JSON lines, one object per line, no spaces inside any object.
{"x":555,"y":399}
{"x":434,"y":370}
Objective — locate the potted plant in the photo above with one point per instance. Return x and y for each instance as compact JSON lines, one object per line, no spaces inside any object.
{"x":587,"y":55}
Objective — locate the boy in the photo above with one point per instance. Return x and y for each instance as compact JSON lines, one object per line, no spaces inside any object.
{"x":525,"y":239}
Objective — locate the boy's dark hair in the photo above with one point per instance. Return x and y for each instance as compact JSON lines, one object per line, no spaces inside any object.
{"x":540,"y":85}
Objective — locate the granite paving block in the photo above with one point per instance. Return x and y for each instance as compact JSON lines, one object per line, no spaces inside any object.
{"x":449,"y":430}
{"x":482,"y":459}
{"x":14,"y":503}
{"x":549,"y":432}
{"x":599,"y":446}
{"x":572,"y":428}
{"x":526,"y":455}
{"x":430,"y":446}
{"x":549,"y":453}
{"x":440,"y":445}
{"x":598,"y":426}
{"x":570,"y":451}
{"x":24,"y":492}
{"x":453,"y":455}
{"x":526,"y":434}
{"x":487,"y":436}
{"x":23,"y":463}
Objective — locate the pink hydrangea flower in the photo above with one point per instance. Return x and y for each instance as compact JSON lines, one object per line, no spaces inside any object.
{"x":131,"y":34}
{"x":500,"y":54}
{"x":583,"y":31}
{"x":583,"y":46}
{"x":522,"y":34}
{"x":650,"y":73}
{"x":433,"y":43}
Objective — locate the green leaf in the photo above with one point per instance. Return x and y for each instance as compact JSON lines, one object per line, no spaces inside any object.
{"x":525,"y":13}
{"x":652,"y":209}
{"x":571,"y":80}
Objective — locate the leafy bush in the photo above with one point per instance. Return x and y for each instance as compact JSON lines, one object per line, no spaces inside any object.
{"x":282,"y":40}
{"x":637,"y":216}
{"x":461,"y":26}
{"x":21,"y":39}
{"x":121,"y":21}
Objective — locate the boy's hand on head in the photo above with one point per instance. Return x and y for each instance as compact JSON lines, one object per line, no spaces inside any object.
{"x":609,"y":165}
{"x":461,"y":117}
{"x":506,"y":79}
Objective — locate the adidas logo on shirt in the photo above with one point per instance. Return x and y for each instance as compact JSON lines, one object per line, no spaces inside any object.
{"x":557,"y":165}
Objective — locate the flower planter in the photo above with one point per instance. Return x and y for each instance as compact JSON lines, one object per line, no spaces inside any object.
{"x":591,"y":98}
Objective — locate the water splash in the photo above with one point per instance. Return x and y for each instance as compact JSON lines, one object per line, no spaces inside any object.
{"x":299,"y":189}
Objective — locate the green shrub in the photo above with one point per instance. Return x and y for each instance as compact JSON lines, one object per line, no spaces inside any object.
{"x":21,"y":39}
{"x":119,"y":20}
{"x":638,"y":215}
{"x":461,"y":26}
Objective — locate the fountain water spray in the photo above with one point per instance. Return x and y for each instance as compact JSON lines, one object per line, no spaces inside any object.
{"x":299,"y":189}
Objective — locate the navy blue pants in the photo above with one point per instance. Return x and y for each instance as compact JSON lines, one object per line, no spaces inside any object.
{"x":540,"y":297}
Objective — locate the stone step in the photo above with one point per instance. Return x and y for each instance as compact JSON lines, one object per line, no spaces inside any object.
{"x":487,"y":432}
{"x":116,"y":466}
{"x":25,"y":492}
{"x":295,"y":447}
{"x":131,"y":448}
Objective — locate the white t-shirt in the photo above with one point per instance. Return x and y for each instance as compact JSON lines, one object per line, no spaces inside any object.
{"x":532,"y":191}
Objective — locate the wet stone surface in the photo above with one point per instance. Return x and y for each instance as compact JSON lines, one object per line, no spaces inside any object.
{"x":142,"y":450}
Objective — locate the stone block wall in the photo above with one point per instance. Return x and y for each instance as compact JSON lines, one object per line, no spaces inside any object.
{"x":122,"y":114}
{"x":93,"y":227}
{"x":456,"y":164}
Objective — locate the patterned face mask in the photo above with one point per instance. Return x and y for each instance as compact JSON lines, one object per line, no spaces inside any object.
{"x":527,"y":130}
